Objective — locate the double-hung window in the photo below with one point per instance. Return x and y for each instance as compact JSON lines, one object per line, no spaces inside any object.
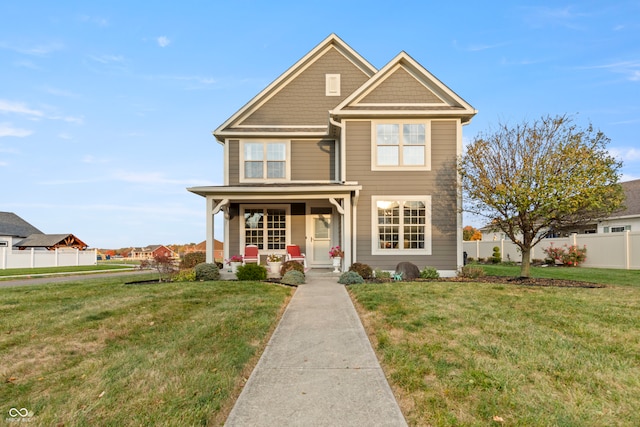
{"x":401,"y":225}
{"x":401,"y":145}
{"x":266,"y":227}
{"x":264,"y":160}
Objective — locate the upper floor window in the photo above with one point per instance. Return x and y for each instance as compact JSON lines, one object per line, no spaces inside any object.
{"x":401,"y":145}
{"x":264,"y":160}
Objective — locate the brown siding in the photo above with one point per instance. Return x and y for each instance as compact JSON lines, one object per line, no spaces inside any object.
{"x":233,"y":166}
{"x":401,"y":87}
{"x":439,"y":183}
{"x":312,"y":160}
{"x":303,"y":101}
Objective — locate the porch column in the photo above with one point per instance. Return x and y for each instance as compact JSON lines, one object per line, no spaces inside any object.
{"x":210,"y":231}
{"x":347,"y":234}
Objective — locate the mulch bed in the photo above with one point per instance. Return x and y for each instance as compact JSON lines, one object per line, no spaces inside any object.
{"x":528,"y":281}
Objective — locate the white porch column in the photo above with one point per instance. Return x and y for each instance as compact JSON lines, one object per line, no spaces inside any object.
{"x":210,"y":230}
{"x":347,"y":234}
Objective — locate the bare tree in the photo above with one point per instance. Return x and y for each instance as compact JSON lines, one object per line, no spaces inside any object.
{"x":533,"y":177}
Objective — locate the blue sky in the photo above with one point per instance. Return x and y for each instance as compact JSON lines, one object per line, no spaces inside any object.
{"x":107,"y":108}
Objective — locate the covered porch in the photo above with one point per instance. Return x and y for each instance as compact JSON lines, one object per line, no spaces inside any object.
{"x":315,"y":217}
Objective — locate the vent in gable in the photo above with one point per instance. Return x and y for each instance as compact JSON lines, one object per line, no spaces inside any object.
{"x":332,"y":84}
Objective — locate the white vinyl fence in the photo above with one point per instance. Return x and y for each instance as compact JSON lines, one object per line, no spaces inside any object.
{"x":43,"y":258}
{"x":610,"y":250}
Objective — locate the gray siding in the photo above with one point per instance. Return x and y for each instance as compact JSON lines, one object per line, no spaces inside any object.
{"x":303,"y":100}
{"x":401,"y":87}
{"x":312,"y":160}
{"x":440,"y":183}
{"x":234,"y":161}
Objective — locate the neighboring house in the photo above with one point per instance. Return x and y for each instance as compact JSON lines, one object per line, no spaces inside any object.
{"x":17,"y":233}
{"x":14,"y":229}
{"x":337,"y":152}
{"x":151,"y":251}
{"x":218,"y":249}
{"x":627,"y":219}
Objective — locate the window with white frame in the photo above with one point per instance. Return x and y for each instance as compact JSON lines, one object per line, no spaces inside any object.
{"x":401,"y":225}
{"x":401,"y":145}
{"x":266,"y":227}
{"x":264,"y":160}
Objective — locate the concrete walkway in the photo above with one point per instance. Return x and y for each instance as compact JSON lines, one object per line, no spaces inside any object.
{"x":318,"y":369}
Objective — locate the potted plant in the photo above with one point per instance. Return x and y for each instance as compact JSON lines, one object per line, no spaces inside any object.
{"x":234,"y":262}
{"x":336,"y":254}
{"x":275,"y":262}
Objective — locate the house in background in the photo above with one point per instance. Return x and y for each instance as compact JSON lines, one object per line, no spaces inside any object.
{"x":151,"y":251}
{"x":24,"y":246}
{"x":336,"y":152}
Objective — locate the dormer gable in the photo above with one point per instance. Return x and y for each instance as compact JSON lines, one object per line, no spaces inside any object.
{"x":404,"y":87}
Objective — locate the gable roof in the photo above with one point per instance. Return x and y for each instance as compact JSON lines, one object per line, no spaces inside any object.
{"x":404,"y":87}
{"x":51,"y":241}
{"x":632,"y":199}
{"x":240,"y":124}
{"x":12,"y":225}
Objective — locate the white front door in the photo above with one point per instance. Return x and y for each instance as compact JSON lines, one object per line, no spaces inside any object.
{"x":320,"y":239}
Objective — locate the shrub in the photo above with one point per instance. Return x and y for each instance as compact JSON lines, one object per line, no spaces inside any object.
{"x":292,"y":277}
{"x":185,"y":275}
{"x":350,"y":278}
{"x":407,"y":270}
{"x":207,"y":271}
{"x":220,"y":265}
{"x":382,"y":274}
{"x":472,"y":271}
{"x":362,"y":269}
{"x":291,"y":265}
{"x":496,"y":257}
{"x":470,"y":259}
{"x":571,"y":255}
{"x":192,"y":259}
{"x":429,"y":273}
{"x":251,"y":272}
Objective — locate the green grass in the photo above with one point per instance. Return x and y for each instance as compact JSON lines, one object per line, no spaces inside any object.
{"x":70,"y":269}
{"x":593,"y":275}
{"x":99,"y":352}
{"x":462,"y":353}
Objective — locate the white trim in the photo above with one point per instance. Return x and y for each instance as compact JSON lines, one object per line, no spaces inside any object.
{"x":265,"y":250}
{"x":428,"y":232}
{"x":401,"y":167}
{"x":402,"y":104}
{"x":317,"y":126}
{"x":264,"y":179}
{"x":459,"y":219}
{"x":225,"y":166}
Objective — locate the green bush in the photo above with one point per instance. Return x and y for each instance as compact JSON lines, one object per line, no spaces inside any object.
{"x":350,"y":278}
{"x":292,"y":277}
{"x":185,"y":275}
{"x":472,"y":271}
{"x":291,"y":265}
{"x":206,"y":271}
{"x":192,"y":259}
{"x":496,"y":258}
{"x":362,"y":269}
{"x":251,"y":271}
{"x":382,"y":274}
{"x":429,"y":273}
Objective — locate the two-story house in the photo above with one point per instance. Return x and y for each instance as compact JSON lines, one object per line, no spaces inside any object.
{"x":337,"y":152}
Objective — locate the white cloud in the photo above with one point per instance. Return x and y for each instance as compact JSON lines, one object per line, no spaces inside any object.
{"x":37,"y":50}
{"x":626,"y":154}
{"x":163,"y":41}
{"x":59,"y":92}
{"x":107,"y":59}
{"x":88,"y":158}
{"x":7,"y":130}
{"x":155,"y":178}
{"x":18,"y":108}
{"x":631,"y":69}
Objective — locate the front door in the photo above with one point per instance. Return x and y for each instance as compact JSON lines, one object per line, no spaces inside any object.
{"x":320,"y":239}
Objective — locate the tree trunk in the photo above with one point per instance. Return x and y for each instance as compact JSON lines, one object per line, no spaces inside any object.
{"x":525,"y":268}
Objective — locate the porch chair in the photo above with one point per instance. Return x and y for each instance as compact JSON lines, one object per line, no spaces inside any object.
{"x":251,"y":254}
{"x":293,"y":254}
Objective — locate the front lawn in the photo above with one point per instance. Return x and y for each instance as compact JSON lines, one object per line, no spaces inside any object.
{"x":490,"y":354}
{"x":103,"y":353}
{"x":59,"y":270}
